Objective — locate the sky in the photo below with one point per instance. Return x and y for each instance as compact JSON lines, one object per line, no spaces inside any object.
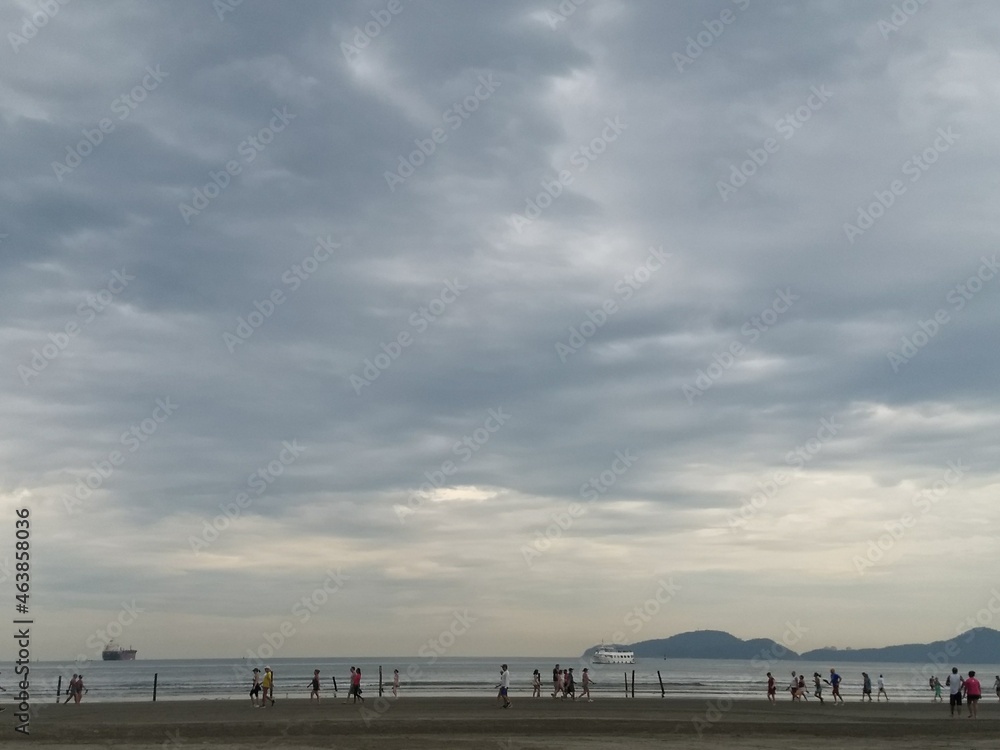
{"x":502,"y":328}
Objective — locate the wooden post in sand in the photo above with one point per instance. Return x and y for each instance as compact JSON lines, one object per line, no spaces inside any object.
{"x":156,"y":676}
{"x":379,"y":680}
{"x":59,"y":689}
{"x":626,"y":684}
{"x":633,"y":683}
{"x":334,"y":687}
{"x":663,"y":693}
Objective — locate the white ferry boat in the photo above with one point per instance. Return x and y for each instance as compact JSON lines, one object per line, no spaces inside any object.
{"x":611,"y":655}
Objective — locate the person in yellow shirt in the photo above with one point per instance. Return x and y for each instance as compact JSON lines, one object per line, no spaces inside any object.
{"x":268,"y":685}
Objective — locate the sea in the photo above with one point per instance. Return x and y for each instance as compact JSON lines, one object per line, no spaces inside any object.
{"x":712,"y":679}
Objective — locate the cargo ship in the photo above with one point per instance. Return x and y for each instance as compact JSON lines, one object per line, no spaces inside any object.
{"x":112,"y":652}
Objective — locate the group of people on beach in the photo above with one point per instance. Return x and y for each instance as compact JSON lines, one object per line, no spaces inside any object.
{"x":563,"y":684}
{"x":75,"y":689}
{"x":265,"y":684}
{"x":968,"y":687}
{"x":798,"y":690}
{"x":262,"y":684}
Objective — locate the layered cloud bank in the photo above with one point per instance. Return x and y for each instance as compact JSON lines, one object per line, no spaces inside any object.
{"x":515,"y":310}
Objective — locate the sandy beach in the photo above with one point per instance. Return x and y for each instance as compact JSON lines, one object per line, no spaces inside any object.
{"x":529,"y":723}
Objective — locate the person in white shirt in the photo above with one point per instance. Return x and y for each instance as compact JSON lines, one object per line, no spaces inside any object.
{"x":881,"y":690}
{"x":504,"y":685}
{"x":954,"y":682}
{"x":255,"y":688}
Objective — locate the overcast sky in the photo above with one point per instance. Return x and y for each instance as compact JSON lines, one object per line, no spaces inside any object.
{"x":490,"y":318}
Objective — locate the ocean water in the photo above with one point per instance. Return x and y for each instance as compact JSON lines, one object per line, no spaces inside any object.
{"x":221,"y":679}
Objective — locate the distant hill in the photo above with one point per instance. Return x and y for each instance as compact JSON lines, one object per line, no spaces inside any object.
{"x":977,"y":646}
{"x":706,"y":644}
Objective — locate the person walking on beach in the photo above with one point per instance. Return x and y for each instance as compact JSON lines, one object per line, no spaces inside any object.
{"x":818,"y":682}
{"x":356,"y":683}
{"x":587,"y":682}
{"x":835,"y":686}
{"x":973,"y":692}
{"x":70,"y":690}
{"x":866,"y":687}
{"x":937,"y":691}
{"x":78,"y":693}
{"x":350,"y":686}
{"x":793,"y":686}
{"x":996,"y":685}
{"x":314,"y":693}
{"x":255,"y":688}
{"x":267,"y":684}
{"x":772,"y":689}
{"x":504,"y":685}
{"x":555,"y":680}
{"x":536,"y":684}
{"x":881,"y":690}
{"x":395,"y":683}
{"x":801,"y":688}
{"x":570,"y":684}
{"x":954,"y":682}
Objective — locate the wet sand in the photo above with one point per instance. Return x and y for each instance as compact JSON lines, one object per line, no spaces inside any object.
{"x":529,"y":724}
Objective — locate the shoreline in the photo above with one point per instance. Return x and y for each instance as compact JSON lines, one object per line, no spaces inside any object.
{"x":421,"y":722}
{"x":435,"y":696}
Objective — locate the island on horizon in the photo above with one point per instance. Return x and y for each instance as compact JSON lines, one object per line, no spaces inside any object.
{"x":975,"y":645}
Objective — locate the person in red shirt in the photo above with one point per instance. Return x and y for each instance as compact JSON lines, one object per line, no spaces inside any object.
{"x":973,"y":692}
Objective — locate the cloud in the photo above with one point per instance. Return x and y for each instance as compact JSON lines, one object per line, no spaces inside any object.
{"x":301,"y":268}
